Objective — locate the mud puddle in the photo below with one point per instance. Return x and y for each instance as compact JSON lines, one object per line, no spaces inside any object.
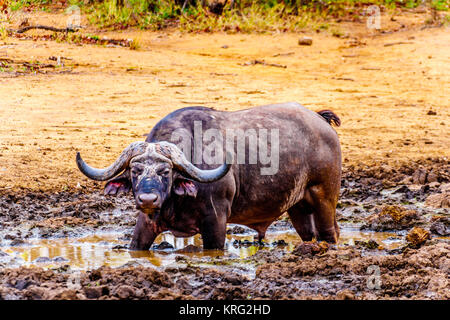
{"x":109,"y":249}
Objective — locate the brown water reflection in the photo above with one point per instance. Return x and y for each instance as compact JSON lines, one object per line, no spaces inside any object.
{"x":97,"y":250}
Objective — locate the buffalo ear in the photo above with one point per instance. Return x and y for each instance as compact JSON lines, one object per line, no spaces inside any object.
{"x":183,"y":187}
{"x":118,"y":185}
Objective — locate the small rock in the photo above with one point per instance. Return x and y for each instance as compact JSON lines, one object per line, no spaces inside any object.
{"x":311,"y":248}
{"x":345,"y":295}
{"x":66,"y":295}
{"x":131,"y":264}
{"x":164,"y":245}
{"x":305,"y":41}
{"x":237,"y":230}
{"x":95,"y":275}
{"x":96,"y":292}
{"x":9,"y":237}
{"x":119,"y":247}
{"x":371,"y":244}
{"x":279,"y":243}
{"x":125,"y":292}
{"x":438,"y":200}
{"x":60,"y":259}
{"x":42,"y":260}
{"x":432,"y":177}
{"x":23,"y":284}
{"x":417,"y":237}
{"x":419,"y":176}
{"x":439,"y":228}
{"x":190,"y":249}
{"x":17,"y":242}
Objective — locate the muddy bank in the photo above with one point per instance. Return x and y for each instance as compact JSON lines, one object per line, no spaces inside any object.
{"x":394,"y":244}
{"x":336,"y":274}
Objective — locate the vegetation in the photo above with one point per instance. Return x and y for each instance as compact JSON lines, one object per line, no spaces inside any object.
{"x":224,"y":15}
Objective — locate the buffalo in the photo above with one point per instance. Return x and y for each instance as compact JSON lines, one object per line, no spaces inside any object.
{"x":174,"y":194}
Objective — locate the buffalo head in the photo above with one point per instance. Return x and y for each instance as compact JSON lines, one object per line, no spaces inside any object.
{"x":153,"y":171}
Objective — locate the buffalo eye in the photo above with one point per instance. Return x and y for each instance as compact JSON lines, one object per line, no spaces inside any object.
{"x":136,"y":171}
{"x":164,"y":172}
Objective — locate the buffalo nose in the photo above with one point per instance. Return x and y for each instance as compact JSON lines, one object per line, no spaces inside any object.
{"x":148,"y":198}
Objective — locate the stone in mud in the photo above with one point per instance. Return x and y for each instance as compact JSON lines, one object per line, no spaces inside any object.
{"x":419,"y":176}
{"x":119,"y":247}
{"x":60,"y":259}
{"x":311,"y":248}
{"x":237,"y":230}
{"x":67,"y":295}
{"x":371,"y":244}
{"x":96,"y":292}
{"x":17,"y":242}
{"x":9,"y":237}
{"x":124,"y":292}
{"x":440,"y":228}
{"x":189,"y":249}
{"x":392,"y":217}
{"x":131,"y":264}
{"x":42,"y":260}
{"x":440,"y":225}
{"x":417,"y":237}
{"x":305,"y":41}
{"x":23,"y":284}
{"x":95,"y":275}
{"x":432,"y":177}
{"x":345,"y":294}
{"x":438,"y":200}
{"x":279,"y":243}
{"x":163,"y":246}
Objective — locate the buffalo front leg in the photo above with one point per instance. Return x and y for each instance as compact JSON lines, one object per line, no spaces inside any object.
{"x":144,"y":233}
{"x":214,"y":224}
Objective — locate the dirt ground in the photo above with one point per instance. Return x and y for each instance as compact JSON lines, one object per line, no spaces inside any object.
{"x":113,"y":96}
{"x":389,"y":88}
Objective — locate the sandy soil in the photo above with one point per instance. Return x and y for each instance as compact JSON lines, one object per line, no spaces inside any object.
{"x":113,"y":96}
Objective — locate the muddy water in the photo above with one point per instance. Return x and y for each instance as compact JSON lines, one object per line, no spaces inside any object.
{"x":108,"y":249}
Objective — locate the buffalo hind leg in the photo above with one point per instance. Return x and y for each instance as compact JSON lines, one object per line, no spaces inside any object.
{"x":144,"y":233}
{"x":324,"y":213}
{"x":301,"y":218}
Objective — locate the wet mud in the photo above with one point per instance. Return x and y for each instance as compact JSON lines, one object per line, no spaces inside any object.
{"x":394,"y":244}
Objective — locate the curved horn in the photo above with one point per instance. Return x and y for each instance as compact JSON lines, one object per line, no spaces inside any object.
{"x":118,"y":166}
{"x":181,"y":163}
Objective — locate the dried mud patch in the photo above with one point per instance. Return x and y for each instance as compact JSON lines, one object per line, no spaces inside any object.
{"x":419,"y":273}
{"x":336,"y":274}
{"x":387,"y":198}
{"x":62,"y":214}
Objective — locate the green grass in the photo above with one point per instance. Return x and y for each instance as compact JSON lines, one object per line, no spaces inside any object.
{"x":245,"y":16}
{"x":19,"y":4}
{"x":441,"y":5}
{"x":3,"y":33}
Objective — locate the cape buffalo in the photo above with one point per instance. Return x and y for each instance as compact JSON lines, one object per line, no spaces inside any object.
{"x":174,"y":194}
